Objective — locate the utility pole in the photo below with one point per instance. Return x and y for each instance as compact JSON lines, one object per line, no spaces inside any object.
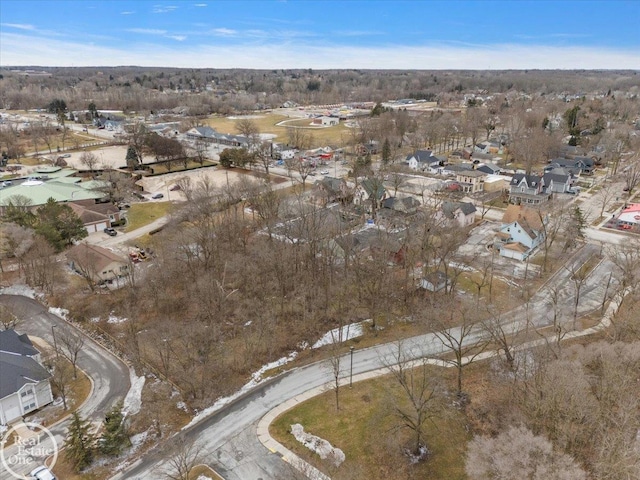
{"x":55,"y":344}
{"x":351,"y":368}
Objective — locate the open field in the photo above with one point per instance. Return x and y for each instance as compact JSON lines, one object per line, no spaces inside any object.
{"x":141,"y":214}
{"x":267,"y":123}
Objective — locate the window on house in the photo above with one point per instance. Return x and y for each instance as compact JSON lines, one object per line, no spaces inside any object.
{"x":29,"y":407}
{"x":26,"y":392}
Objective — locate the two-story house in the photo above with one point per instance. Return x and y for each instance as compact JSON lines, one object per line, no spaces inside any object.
{"x":24,"y":382}
{"x":521,"y":232}
{"x":527,"y":190}
{"x":471,"y":181}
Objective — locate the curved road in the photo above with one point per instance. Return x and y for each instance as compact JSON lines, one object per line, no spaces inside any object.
{"x":109,"y":375}
{"x":229,"y":438}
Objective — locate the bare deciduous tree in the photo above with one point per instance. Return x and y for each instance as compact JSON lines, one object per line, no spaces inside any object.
{"x":70,"y":344}
{"x":518,"y":453}
{"x":188,"y":454}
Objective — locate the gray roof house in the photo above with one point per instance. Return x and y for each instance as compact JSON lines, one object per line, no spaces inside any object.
{"x":24,"y":382}
{"x":424,"y":160}
{"x":527,"y":189}
{"x":576,"y":166}
{"x":463,"y":213}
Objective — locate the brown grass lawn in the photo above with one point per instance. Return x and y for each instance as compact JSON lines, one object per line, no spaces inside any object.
{"x":141,"y":214}
{"x":364,"y":430}
{"x":267,"y":124}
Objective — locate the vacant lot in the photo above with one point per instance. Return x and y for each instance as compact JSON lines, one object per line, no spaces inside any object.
{"x":141,"y":214}
{"x":365,"y":429}
{"x":267,"y":123}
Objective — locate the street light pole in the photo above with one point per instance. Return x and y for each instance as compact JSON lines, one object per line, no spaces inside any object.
{"x":351,"y":368}
{"x":55,"y":344}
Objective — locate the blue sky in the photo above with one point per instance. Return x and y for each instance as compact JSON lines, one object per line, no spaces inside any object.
{"x":322,"y":34}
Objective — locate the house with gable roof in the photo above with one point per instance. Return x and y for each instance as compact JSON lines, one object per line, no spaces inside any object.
{"x":527,"y":190}
{"x":424,"y":160}
{"x":24,"y":382}
{"x":462,"y":213}
{"x":521,"y":232}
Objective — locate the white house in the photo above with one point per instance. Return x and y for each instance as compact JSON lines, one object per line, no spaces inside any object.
{"x":462,"y":213}
{"x":24,"y":382}
{"x":423,"y":160}
{"x":521,"y":232}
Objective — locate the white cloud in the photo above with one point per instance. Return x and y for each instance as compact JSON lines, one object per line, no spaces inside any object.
{"x":128,"y":12}
{"x":200,"y":5}
{"x":179,"y":38}
{"x":147,"y":31}
{"x":20,"y":26}
{"x":23,"y":49}
{"x":164,"y":8}
{"x":224,"y":32}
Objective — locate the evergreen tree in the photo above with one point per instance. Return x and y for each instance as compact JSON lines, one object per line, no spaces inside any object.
{"x":79,"y":443}
{"x":115,"y":436}
{"x":386,"y":152}
{"x":133,"y":162}
{"x":59,"y":224}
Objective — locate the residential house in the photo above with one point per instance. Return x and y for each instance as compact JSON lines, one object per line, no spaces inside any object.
{"x":408,"y":205}
{"x":98,"y":216}
{"x":558,"y":180}
{"x":488,"y":147}
{"x":453,"y":170}
{"x":521,"y":232}
{"x":424,"y":160}
{"x":434,"y":281}
{"x":24,"y":382}
{"x":575,"y":166}
{"x":330,"y":190}
{"x":369,"y":148}
{"x":489,"y":168}
{"x":368,"y":190}
{"x":462,"y":213}
{"x":370,"y":241}
{"x":527,"y":189}
{"x":97,"y":263}
{"x":472,"y":181}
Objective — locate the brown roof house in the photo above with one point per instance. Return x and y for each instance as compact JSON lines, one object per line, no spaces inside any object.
{"x":96,"y":264}
{"x":521,"y":232}
{"x":98,"y":216}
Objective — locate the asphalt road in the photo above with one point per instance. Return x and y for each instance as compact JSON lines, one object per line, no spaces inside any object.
{"x":109,"y":375}
{"x":229,"y":438}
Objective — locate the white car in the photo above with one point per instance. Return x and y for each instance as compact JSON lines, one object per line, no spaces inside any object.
{"x":324,"y":172}
{"x":42,"y":473}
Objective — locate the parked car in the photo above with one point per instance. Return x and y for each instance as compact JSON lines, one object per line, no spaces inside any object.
{"x":66,"y":155}
{"x":324,"y":172}
{"x":42,"y":473}
{"x":110,"y":231}
{"x":156,"y":196}
{"x":7,"y":183}
{"x":624,"y":226}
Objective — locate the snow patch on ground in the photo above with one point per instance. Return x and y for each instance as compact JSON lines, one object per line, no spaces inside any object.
{"x":203,"y":477}
{"x":318,"y":445}
{"x":60,"y":312}
{"x":182,"y":406}
{"x":133,"y":400}
{"x":113,"y":319}
{"x":256,"y":379}
{"x":23,"y":290}
{"x":337,"y":335}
